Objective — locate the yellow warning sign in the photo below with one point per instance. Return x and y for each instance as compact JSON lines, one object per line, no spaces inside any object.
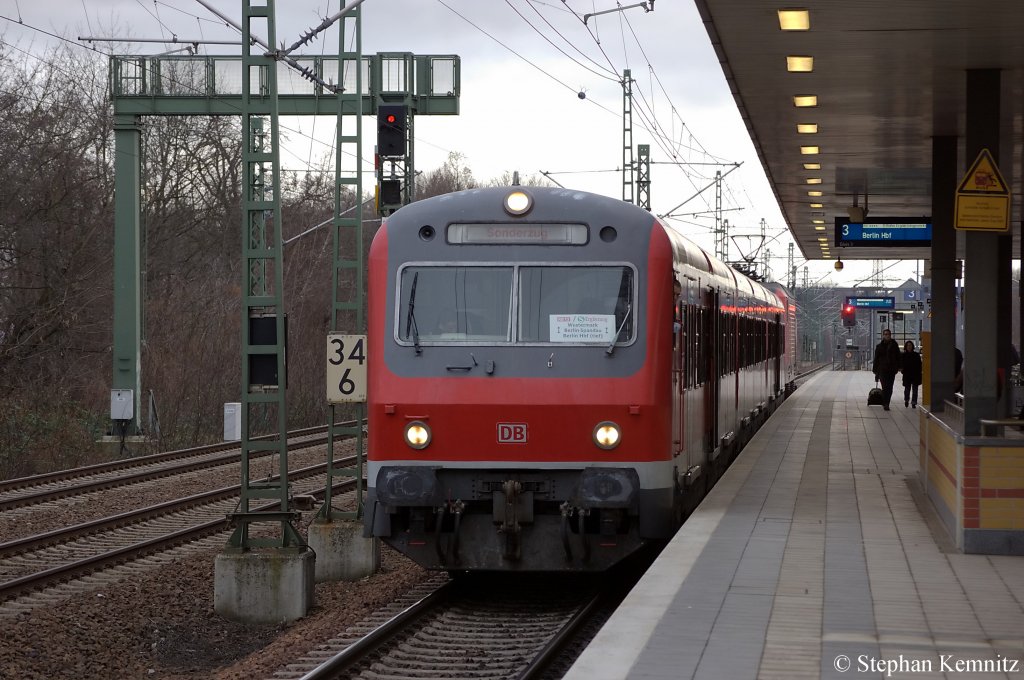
{"x":983,"y":199}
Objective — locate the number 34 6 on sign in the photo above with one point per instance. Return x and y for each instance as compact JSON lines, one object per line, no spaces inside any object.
{"x":346,"y":368}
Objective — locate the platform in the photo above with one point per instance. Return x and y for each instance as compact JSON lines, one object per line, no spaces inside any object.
{"x":818,"y":556}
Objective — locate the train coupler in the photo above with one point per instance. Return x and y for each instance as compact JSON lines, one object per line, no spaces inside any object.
{"x":456,"y":509}
{"x":581,"y":519}
{"x":510,"y":527}
{"x":566,"y":511}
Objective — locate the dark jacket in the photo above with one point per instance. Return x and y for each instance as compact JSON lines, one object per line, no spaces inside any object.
{"x":887,"y":358}
{"x":911,"y":368}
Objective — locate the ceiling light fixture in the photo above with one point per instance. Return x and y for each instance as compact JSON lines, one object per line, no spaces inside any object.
{"x":814,"y":194}
{"x":814,"y":180}
{"x":809,"y":150}
{"x":817,"y":205}
{"x":807,"y":128}
{"x":794,"y":19}
{"x":812,"y":166}
{"x":805,"y":100}
{"x":799,"y":63}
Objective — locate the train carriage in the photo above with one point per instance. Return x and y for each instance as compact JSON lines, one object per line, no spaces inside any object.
{"x":555,"y":378}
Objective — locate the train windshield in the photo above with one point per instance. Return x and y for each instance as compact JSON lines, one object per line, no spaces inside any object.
{"x":575,"y":305}
{"x":453,"y":304}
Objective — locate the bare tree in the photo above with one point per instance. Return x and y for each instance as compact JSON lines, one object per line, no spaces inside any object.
{"x":55,"y":208}
{"x":454,"y":175}
{"x":56,"y":265}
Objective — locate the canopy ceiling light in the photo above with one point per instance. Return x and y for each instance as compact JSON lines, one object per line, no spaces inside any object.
{"x":794,"y":19}
{"x":799,"y":63}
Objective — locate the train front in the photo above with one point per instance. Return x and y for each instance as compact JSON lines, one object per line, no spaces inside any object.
{"x":519,"y":374}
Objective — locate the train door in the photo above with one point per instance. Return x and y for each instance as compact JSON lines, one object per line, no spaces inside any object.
{"x":712,"y":385}
{"x":777,"y":350}
{"x":736,"y":327}
{"x":678,"y":367}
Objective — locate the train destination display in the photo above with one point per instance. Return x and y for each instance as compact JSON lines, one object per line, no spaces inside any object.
{"x":884,"y":231}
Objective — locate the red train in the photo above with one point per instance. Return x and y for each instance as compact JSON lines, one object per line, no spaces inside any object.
{"x":555,"y":378}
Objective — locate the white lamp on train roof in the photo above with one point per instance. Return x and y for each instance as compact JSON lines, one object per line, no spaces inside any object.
{"x":518,"y":203}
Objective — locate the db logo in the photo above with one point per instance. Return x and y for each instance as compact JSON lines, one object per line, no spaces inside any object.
{"x":511,"y":433}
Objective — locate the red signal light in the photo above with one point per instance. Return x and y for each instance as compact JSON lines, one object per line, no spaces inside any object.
{"x":390,"y":118}
{"x":849,"y":315}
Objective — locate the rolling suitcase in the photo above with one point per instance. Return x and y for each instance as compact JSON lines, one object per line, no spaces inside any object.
{"x":876,"y":397}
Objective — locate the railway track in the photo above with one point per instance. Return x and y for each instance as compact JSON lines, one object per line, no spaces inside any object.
{"x":45,"y":566}
{"x":33,"y":565}
{"x":24,"y":491}
{"x":481,"y":628}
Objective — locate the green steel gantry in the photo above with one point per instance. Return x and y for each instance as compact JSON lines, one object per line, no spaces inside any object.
{"x":217,"y":85}
{"x":643,"y":176}
{"x":627,"y":136}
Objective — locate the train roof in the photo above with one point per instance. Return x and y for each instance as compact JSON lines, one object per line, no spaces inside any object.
{"x":488,"y":203}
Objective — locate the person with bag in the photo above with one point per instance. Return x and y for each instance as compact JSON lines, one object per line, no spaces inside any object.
{"x":910,"y":364}
{"x":886,"y":365}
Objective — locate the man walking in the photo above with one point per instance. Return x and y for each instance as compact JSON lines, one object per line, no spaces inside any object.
{"x":886,"y":365}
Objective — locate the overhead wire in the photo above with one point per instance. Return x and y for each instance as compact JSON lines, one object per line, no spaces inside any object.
{"x":661,"y":139}
{"x":52,"y":35}
{"x":171,"y":80}
{"x":162,"y":25}
{"x":87,"y":21}
{"x":489,"y":35}
{"x":614,"y":77}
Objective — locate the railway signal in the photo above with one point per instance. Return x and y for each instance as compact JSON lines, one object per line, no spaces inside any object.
{"x":391,"y":125}
{"x":390,"y":193}
{"x":849,"y":315}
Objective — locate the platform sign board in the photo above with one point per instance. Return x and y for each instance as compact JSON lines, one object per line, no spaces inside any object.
{"x":872,"y":302}
{"x":883,"y":232}
{"x":983,"y":198}
{"x":346,"y":368}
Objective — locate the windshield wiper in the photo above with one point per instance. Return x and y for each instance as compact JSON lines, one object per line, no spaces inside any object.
{"x":410,"y":317}
{"x":611,"y":347}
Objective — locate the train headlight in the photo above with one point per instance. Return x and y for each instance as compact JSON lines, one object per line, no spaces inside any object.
{"x":518,"y":203}
{"x":607,"y":435}
{"x":417,"y":434}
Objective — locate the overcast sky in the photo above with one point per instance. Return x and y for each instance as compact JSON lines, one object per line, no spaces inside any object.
{"x":524,"y":65}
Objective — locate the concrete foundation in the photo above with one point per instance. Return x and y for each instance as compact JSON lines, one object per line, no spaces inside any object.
{"x":268,"y":585}
{"x":134,"y":445}
{"x":342,"y":553}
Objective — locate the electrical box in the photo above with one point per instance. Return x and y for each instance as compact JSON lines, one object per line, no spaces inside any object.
{"x":122,"y":404}
{"x":232,"y":421}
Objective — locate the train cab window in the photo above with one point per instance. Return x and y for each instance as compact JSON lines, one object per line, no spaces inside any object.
{"x":451,"y":304}
{"x":576,"y":304}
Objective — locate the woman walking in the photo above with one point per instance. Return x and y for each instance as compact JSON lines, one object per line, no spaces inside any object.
{"x":910,"y":362}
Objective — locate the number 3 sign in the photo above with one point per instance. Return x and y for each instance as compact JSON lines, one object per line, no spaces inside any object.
{"x":346,"y":368}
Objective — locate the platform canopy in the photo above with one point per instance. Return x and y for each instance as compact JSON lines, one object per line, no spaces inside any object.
{"x":887,"y":77}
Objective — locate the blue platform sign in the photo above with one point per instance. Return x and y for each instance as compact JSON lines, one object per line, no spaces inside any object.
{"x":884,"y":232}
{"x":872,"y":302}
